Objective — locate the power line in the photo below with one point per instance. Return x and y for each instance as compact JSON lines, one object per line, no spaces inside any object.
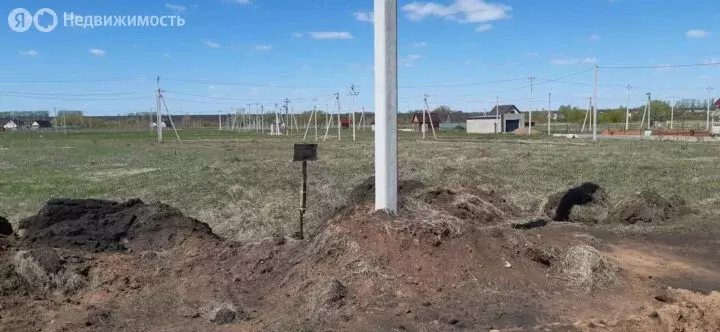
{"x":244,"y":84}
{"x":14,"y":80}
{"x":662,"y":66}
{"x":451,"y":85}
{"x":61,"y":98}
{"x":203,"y":96}
{"x":448,"y":85}
{"x":75,"y":94}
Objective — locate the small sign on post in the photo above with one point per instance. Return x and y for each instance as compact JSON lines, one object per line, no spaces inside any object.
{"x":303,"y":153}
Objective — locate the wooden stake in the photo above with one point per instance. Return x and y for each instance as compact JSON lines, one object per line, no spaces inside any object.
{"x":303,"y":199}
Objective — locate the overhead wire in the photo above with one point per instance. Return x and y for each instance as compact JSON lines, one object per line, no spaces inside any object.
{"x":36,"y":97}
{"x":662,"y":66}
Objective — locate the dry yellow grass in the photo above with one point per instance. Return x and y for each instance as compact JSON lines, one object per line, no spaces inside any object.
{"x":247,"y":187}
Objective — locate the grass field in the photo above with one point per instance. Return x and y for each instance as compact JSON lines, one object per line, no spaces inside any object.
{"x":246,"y":186}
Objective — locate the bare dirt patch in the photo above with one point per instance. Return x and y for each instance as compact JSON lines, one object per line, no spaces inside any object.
{"x":100,"y":265}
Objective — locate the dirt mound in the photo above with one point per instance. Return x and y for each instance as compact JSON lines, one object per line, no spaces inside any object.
{"x":365,"y":191}
{"x":647,"y":207}
{"x":100,"y":225}
{"x":5,"y":227}
{"x":470,"y":204}
{"x":361,"y":272}
{"x":675,"y":310}
{"x":586,"y":203}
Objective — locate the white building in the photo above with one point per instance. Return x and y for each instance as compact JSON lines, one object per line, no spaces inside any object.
{"x":506,"y":118}
{"x":13,"y":124}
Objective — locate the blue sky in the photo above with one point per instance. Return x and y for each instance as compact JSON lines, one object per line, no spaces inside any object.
{"x":272,"y":49}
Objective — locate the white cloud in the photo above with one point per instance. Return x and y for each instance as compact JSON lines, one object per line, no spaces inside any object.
{"x":532,"y":53}
{"x":364,"y":16}
{"x":468,"y":62}
{"x":484,"y":27}
{"x":331,"y":35}
{"x":243,"y":2}
{"x":167,"y":55}
{"x":298,"y":35}
{"x":594,"y":36}
{"x":408,"y":60}
{"x":420,"y":44}
{"x":211,"y":87}
{"x":175,"y":8}
{"x":710,"y":61}
{"x":263,"y":47}
{"x":463,"y":11}
{"x":211,"y":44}
{"x":29,"y":53}
{"x":97,"y":51}
{"x":697,"y":33}
{"x":305,"y":67}
{"x":571,"y":61}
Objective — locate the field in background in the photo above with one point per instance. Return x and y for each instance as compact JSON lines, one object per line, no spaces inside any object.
{"x":246,"y":186}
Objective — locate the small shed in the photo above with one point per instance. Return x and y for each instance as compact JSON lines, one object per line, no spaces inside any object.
{"x":484,"y":124}
{"x":163,"y":124}
{"x":432,"y":120}
{"x":502,"y":118}
{"x":14,"y":124}
{"x":345,"y":123}
{"x":41,"y":124}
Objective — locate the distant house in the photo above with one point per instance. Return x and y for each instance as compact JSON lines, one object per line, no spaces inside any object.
{"x":41,"y":124}
{"x":432,"y":121}
{"x":717,"y":104}
{"x":502,"y":118}
{"x":345,"y":123}
{"x":14,"y":124}
{"x":163,"y":124}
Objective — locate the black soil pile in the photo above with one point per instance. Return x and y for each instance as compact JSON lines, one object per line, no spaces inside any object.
{"x":470,"y":204}
{"x":586,"y":203}
{"x":5,"y":227}
{"x":100,"y":225}
{"x":648,"y":207}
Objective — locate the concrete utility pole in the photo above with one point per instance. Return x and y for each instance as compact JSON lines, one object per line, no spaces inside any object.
{"x":595,"y":102}
{"x":627,"y":109}
{"x":386,"y":105}
{"x":262,"y":119}
{"x":337,"y":100}
{"x":353,"y":93}
{"x":286,"y":102}
{"x":315,"y":116}
{"x":549,"y":119}
{"x":219,"y":119}
{"x":532,"y":80}
{"x":649,"y":109}
{"x":56,"y":119}
{"x":159,"y":115}
{"x":707,"y":101}
{"x":497,"y":115}
{"x":672,"y":113}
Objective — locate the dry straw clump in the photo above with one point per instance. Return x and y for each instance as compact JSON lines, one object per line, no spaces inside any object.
{"x":40,"y":280}
{"x":583,"y":267}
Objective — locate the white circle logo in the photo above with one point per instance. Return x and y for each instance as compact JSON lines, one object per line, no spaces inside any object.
{"x":42,"y":12}
{"x":20,"y":20}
